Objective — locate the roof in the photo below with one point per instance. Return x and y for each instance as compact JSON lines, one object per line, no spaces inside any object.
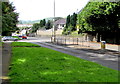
{"x":60,"y":21}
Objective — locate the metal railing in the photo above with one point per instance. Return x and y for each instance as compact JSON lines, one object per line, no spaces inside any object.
{"x":72,"y":40}
{"x":81,"y":41}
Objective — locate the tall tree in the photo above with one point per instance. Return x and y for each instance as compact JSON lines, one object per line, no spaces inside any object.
{"x":35,"y":27}
{"x":41,"y":23}
{"x":9,"y":18}
{"x":70,"y":24}
{"x":73,"y":21}
{"x":0,"y":18}
{"x":68,"y":21}
{"x":100,"y":17}
{"x":48,"y":25}
{"x":44,"y":22}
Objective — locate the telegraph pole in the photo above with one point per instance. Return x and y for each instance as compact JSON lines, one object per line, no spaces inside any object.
{"x":54,"y":36}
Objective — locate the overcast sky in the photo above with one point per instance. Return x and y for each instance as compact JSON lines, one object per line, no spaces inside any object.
{"x":40,"y":9}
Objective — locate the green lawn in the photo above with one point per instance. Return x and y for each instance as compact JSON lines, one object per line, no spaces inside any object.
{"x":38,"y":64}
{"x":1,"y":43}
{"x":24,"y":44}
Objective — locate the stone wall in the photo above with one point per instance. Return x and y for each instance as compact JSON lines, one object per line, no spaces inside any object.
{"x":90,"y":37}
{"x":48,"y":32}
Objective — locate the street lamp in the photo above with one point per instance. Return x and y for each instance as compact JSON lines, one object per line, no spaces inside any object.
{"x":54,"y":36}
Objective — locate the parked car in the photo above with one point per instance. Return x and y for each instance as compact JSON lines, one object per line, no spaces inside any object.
{"x":9,"y":38}
{"x":20,"y":36}
{"x":24,"y":37}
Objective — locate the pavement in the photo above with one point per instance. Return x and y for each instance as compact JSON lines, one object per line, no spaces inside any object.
{"x":81,"y":42}
{"x":106,"y":58}
{"x":6,"y":55}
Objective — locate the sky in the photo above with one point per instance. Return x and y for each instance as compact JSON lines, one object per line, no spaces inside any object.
{"x":40,"y":9}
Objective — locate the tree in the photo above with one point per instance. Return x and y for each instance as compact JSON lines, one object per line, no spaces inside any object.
{"x":41,"y":23}
{"x":73,"y":21}
{"x":70,"y":24}
{"x":48,"y":25}
{"x":44,"y":22}
{"x":68,"y":21}
{"x":100,"y":17}
{"x":35,"y":27}
{"x":9,"y":19}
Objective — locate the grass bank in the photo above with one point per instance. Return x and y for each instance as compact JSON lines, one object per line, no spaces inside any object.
{"x":1,"y":43}
{"x":38,"y":64}
{"x":24,"y":44}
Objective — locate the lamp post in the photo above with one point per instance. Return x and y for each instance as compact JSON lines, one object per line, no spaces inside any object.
{"x":54,"y":36}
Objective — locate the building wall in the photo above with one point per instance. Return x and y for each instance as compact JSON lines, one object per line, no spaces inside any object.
{"x":90,"y":37}
{"x":49,"y":32}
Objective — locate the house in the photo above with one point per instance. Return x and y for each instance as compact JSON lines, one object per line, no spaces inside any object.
{"x":60,"y":24}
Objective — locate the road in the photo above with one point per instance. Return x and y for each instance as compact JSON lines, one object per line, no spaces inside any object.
{"x":36,"y":39}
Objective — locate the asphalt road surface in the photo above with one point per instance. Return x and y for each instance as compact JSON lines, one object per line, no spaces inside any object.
{"x":36,"y":39}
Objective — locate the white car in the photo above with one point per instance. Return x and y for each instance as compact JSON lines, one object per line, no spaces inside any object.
{"x":9,"y":38}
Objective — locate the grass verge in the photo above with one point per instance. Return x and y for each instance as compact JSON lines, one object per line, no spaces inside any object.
{"x":40,"y":64}
{"x":24,"y":44}
{"x":1,"y":43}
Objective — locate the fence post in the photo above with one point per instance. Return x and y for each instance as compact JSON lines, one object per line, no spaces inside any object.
{"x":65,"y":41}
{"x":51,"y":39}
{"x":57,"y":41}
{"x":73,"y":40}
{"x":77,"y":41}
{"x":69,"y":40}
{"x":82,"y":42}
{"x":88,"y":43}
{"x":61,"y":40}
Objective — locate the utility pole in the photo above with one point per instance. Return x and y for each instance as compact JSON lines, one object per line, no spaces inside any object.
{"x":54,"y":36}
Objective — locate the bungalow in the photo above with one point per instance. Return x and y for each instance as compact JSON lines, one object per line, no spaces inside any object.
{"x":60,"y":24}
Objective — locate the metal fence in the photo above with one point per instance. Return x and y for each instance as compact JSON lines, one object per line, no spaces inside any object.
{"x":81,"y":41}
{"x":72,"y":40}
